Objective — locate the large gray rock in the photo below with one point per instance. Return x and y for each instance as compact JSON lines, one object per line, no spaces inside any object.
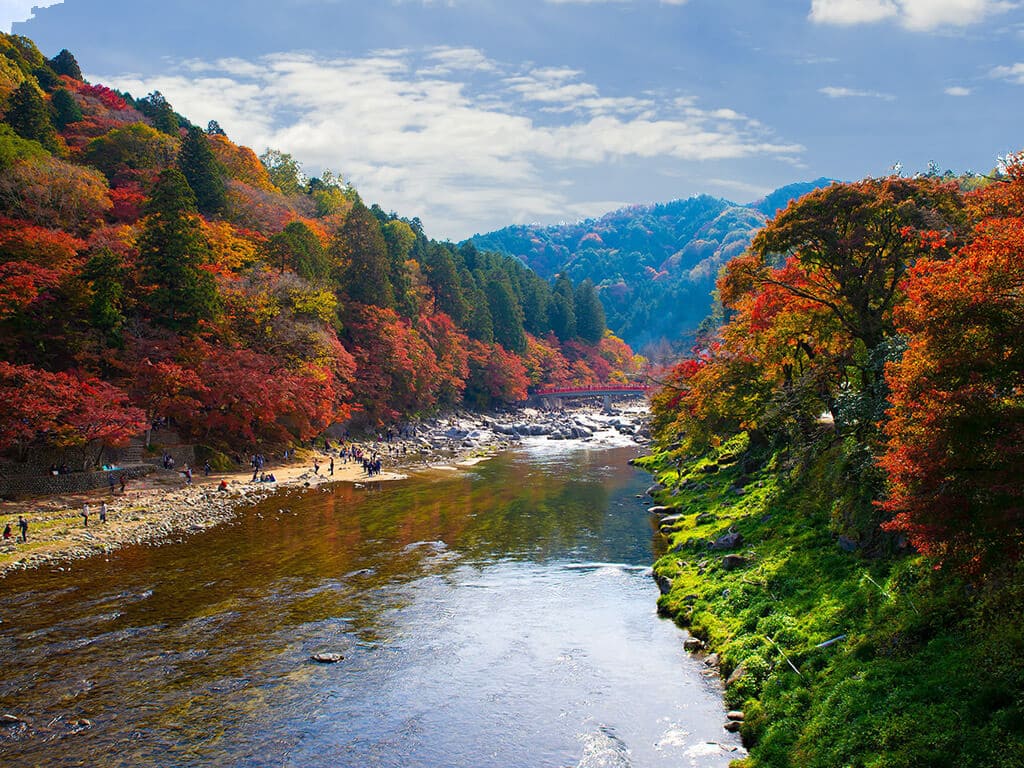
{"x":655,"y":489}
{"x":732,"y":562}
{"x":728,"y":541}
{"x":664,"y":583}
{"x":661,"y":510}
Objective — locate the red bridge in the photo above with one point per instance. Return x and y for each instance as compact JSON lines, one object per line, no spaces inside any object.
{"x":605,"y":391}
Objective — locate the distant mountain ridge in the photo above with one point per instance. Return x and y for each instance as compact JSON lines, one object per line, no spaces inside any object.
{"x":654,"y":265}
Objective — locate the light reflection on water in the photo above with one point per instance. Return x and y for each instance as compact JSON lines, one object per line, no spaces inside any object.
{"x":501,"y":618}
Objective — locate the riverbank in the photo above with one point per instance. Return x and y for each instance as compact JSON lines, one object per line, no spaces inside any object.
{"x":831,"y":657}
{"x":161,"y":508}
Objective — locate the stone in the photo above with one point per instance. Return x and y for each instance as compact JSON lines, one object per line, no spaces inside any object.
{"x":737,"y":673}
{"x":709,"y":469}
{"x":327,"y":658}
{"x":847,"y":544}
{"x":82,"y":722}
{"x":664,"y":583}
{"x":734,"y":715}
{"x":669,"y":520}
{"x":705,"y":517}
{"x":655,"y":489}
{"x":732,"y":726}
{"x":692,"y":645}
{"x":732,"y":562}
{"x":660,"y":510}
{"x":728,"y":541}
{"x":712,"y":660}
{"x":7,"y":719}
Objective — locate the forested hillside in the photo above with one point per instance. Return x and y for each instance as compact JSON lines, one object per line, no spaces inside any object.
{"x":847,"y":460}
{"x":654,"y":265}
{"x":153,"y":269}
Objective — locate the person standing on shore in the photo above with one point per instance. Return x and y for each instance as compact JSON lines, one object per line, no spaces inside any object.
{"x":23,"y":527}
{"x":103,"y":512}
{"x":332,"y":466}
{"x":85,"y":514}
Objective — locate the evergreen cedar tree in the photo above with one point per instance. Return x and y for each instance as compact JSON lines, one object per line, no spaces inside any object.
{"x":164,"y":271}
{"x":819,"y":315}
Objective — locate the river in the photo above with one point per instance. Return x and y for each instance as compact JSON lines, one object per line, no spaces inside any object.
{"x":498,"y":617}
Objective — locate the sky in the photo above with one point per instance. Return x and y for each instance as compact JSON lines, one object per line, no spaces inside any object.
{"x":476,"y":114}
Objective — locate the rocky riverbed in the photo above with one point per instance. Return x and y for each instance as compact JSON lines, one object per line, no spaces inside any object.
{"x":163,"y":509}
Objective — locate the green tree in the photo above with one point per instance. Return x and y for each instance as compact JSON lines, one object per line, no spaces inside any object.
{"x":400,"y":238}
{"x":64,"y":63}
{"x":443,"y":277}
{"x":30,"y":118}
{"x":562,"y":310}
{"x":506,"y":314}
{"x":158,"y":109}
{"x":202,"y":171}
{"x":479,"y":324}
{"x":536,"y":304}
{"x":363,"y":253}
{"x":590,"y":321}
{"x":296,"y":247}
{"x":65,"y":109}
{"x":284,"y":170}
{"x":172,"y":250}
{"x":106,"y":275}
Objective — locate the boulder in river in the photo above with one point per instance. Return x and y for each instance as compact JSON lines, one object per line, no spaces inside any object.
{"x":660,"y":510}
{"x":664,"y":583}
{"x":693,"y":644}
{"x":655,"y":489}
{"x":8,"y":719}
{"x":732,"y":726}
{"x":327,"y":658}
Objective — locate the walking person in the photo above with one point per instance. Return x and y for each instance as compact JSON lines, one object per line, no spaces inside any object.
{"x":103,"y":512}
{"x":332,"y":466}
{"x":85,"y":514}
{"x":23,"y":527}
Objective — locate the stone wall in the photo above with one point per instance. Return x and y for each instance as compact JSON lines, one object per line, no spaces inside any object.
{"x":15,"y":485}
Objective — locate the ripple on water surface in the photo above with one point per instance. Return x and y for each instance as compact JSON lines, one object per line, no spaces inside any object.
{"x":504,"y":619}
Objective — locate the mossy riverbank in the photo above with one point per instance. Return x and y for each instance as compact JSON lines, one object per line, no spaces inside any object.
{"x":835,"y":658}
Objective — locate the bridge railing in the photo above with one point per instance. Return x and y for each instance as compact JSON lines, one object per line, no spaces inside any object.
{"x":610,"y":389}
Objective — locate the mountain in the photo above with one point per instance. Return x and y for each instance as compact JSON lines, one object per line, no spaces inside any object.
{"x":654,"y":265}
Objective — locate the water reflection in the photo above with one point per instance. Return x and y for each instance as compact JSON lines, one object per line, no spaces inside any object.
{"x":478,"y":624}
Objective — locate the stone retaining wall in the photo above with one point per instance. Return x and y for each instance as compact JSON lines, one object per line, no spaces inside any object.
{"x":18,"y":486}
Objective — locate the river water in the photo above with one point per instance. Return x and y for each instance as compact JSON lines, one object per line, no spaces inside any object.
{"x":499,"y":617}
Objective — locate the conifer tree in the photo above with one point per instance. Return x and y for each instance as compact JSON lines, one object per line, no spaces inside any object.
{"x":361,"y":248}
{"x":158,"y":109}
{"x":590,"y":320}
{"x":562,"y":310}
{"x":296,"y":247}
{"x":65,"y":109}
{"x":506,"y":315}
{"x":202,"y":171}
{"x":30,"y":118}
{"x":172,"y":250}
{"x":479,"y":325}
{"x":64,"y":63}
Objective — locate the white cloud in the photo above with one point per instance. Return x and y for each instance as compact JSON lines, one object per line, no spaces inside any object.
{"x":1013,"y":73}
{"x":847,"y":12}
{"x":916,"y":15}
{"x":462,"y":154}
{"x":834,"y":92}
{"x":12,"y":11}
{"x":958,"y":90}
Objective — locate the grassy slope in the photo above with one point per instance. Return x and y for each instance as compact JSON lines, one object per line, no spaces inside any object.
{"x":931,"y":672}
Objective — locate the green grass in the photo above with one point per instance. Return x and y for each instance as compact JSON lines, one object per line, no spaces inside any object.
{"x":931,"y":672}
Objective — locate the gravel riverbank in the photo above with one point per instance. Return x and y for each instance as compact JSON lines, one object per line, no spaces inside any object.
{"x":161,"y":508}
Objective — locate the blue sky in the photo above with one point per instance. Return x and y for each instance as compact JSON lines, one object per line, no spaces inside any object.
{"x":475,"y":114}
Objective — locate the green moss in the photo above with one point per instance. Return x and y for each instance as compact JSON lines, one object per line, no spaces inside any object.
{"x":931,"y":670}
